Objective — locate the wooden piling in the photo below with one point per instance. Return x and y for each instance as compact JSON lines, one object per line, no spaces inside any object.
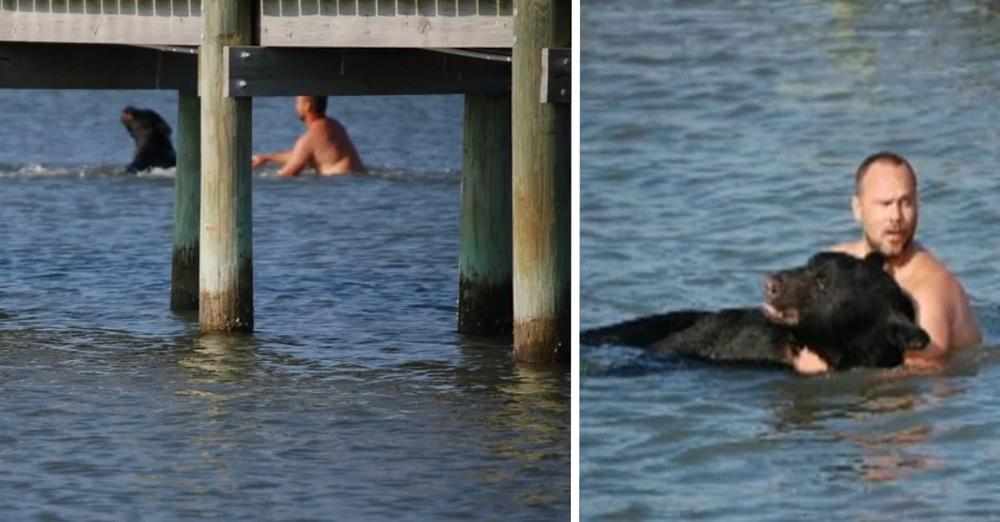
{"x":485,"y":301}
{"x":187,"y":203}
{"x":541,"y":189}
{"x":226,"y":267}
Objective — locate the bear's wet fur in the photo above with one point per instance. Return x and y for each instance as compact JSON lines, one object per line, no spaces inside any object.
{"x":849,"y":311}
{"x":151,"y":134}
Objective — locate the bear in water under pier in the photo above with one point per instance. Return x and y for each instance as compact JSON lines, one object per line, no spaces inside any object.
{"x":151,"y":134}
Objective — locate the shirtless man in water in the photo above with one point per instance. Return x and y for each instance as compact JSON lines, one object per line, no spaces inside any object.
{"x":885,"y":203}
{"x":325,"y":145}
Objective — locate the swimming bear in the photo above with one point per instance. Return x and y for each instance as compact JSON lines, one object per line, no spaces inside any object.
{"x":152,"y":140}
{"x":848,"y":311}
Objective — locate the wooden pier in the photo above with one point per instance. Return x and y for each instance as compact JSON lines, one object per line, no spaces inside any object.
{"x":508,"y":57}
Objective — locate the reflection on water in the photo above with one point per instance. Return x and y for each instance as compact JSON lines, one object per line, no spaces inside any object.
{"x":879,"y":414}
{"x":848,"y":50}
{"x":219,"y":358}
{"x":199,"y":419}
{"x":530,"y":406}
{"x":895,"y":455}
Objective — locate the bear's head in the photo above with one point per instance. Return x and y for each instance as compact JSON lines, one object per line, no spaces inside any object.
{"x":142,"y":124}
{"x":850,"y":311}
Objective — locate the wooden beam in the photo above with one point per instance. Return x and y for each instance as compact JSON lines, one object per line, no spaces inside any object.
{"x":485,"y":299}
{"x":40,"y":26}
{"x":187,"y":204}
{"x":266,"y":71}
{"x":68,"y":66}
{"x":226,"y":240}
{"x":556,"y":75}
{"x":387,"y":31}
{"x":541,"y":190}
{"x":260,"y":71}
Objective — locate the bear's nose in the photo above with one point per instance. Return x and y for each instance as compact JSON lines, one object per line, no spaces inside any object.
{"x":771,"y":286}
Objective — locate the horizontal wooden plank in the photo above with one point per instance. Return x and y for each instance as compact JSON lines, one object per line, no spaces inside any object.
{"x":556,"y":75}
{"x":386,"y":7}
{"x":67,"y":66}
{"x":150,"y":23}
{"x":262,"y":71}
{"x":17,"y":26}
{"x":387,"y":31}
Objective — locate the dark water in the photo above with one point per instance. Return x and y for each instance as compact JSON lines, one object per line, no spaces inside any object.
{"x":718,"y":142}
{"x":354,"y":399}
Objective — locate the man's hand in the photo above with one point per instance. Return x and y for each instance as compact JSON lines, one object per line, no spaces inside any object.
{"x":922,"y":362}
{"x":808,"y":363}
{"x":257,"y":160}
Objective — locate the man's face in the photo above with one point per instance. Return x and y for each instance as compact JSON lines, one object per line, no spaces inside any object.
{"x":301,"y":106}
{"x":886,"y":206}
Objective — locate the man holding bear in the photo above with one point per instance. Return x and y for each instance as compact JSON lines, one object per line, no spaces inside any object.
{"x":885,"y":203}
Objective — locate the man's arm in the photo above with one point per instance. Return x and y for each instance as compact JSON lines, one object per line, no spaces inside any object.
{"x":260,"y":159}
{"x":933,"y":315}
{"x":298,"y":158}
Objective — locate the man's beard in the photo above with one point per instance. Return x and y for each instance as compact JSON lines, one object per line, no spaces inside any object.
{"x":889,"y":251}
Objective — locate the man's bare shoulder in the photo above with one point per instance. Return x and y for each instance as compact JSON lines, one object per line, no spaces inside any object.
{"x":305,"y":138}
{"x":928,"y":270}
{"x":317,"y":128}
{"x":316,"y":136}
{"x":932,"y":284}
{"x":926,"y":275}
{"x":326,"y":130}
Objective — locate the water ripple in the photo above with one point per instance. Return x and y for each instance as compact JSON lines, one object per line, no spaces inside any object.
{"x":354,"y":396}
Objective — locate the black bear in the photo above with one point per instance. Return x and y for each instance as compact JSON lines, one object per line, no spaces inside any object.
{"x":849,"y":311}
{"x":152,"y":139}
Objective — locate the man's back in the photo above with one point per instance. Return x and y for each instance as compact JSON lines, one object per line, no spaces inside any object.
{"x":332,"y":150}
{"x":324,"y":145}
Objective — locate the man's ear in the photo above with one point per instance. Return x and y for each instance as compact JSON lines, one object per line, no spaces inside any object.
{"x":856,"y":207}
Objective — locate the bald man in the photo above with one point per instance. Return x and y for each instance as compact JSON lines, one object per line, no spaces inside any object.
{"x":325,"y":146}
{"x":885,"y":204}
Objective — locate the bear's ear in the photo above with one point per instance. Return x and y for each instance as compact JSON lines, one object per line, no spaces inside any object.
{"x":163,"y":128}
{"x":906,"y":335}
{"x":887,"y":347}
{"x":875,"y":259}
